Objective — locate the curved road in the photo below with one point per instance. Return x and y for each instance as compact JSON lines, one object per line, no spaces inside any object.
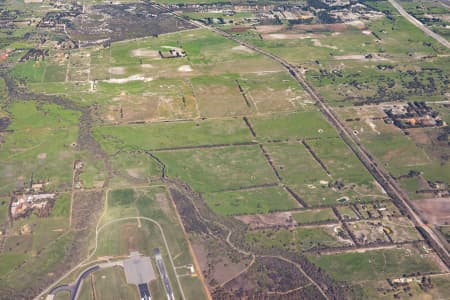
{"x":71,"y":288}
{"x":419,"y":24}
{"x":162,"y":234}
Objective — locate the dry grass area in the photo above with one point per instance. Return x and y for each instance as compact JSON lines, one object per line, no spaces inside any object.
{"x":435,"y":210}
{"x":268,"y":220}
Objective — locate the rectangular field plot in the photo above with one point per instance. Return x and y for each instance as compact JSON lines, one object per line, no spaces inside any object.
{"x":255,"y":201}
{"x":217,"y":169}
{"x":219,"y":96}
{"x":170,"y":135}
{"x":369,"y":232}
{"x":274,"y":92}
{"x":307,"y":175}
{"x":376,"y":264}
{"x":341,"y":162}
{"x":348,"y":213}
{"x":314,"y":216}
{"x":390,"y":145}
{"x":295,"y":239}
{"x":298,"y":125}
{"x":133,"y":101}
{"x":135,"y":168}
{"x":295,"y":164}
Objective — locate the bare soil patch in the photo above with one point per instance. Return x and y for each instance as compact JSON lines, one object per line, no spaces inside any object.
{"x":268,"y":220}
{"x":288,"y":36}
{"x":142,"y":52}
{"x":435,"y":210}
{"x":243,"y":49}
{"x":117,"y":70}
{"x":42,"y":156}
{"x":185,"y":68}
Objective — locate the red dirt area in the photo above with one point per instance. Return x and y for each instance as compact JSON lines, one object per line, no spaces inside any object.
{"x":435,"y":211}
{"x":238,"y":29}
{"x":320,"y":27}
{"x":4,"y":55}
{"x":268,"y":220}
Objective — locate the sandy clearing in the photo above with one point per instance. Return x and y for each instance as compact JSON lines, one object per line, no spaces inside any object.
{"x":268,"y":28}
{"x":358,"y":24}
{"x":136,"y":77}
{"x":268,"y":220}
{"x":185,"y":68}
{"x":147,"y":66}
{"x":243,"y":49}
{"x":117,"y":70}
{"x":173,"y":48}
{"x":142,"y":52}
{"x":317,"y":43}
{"x":372,"y":126}
{"x":289,"y":36}
{"x":360,"y":57}
{"x":42,"y":156}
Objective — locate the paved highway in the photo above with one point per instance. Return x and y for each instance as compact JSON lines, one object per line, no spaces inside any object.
{"x":418,"y":24}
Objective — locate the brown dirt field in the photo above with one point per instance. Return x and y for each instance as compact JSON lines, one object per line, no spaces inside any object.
{"x":145,"y":53}
{"x":288,"y":36}
{"x":420,"y":136}
{"x":268,"y":220}
{"x":435,"y":210}
{"x":239,"y":29}
{"x":218,"y":262}
{"x":320,"y":27}
{"x":269,"y":28}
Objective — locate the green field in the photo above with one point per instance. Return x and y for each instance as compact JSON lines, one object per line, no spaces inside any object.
{"x":108,"y":283}
{"x":169,"y":135}
{"x":314,"y":216}
{"x":296,"y":239}
{"x":375,"y":265}
{"x":257,"y":201}
{"x":216,"y":169}
{"x":299,"y":125}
